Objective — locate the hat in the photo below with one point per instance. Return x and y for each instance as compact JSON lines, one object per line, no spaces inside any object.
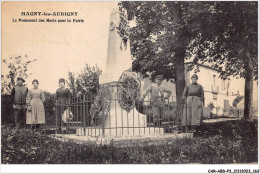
{"x":195,"y":76}
{"x":159,"y":77}
{"x":21,"y":78}
{"x":61,"y":80}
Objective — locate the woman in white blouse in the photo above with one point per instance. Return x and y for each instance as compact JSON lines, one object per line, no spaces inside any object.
{"x":35,"y":113}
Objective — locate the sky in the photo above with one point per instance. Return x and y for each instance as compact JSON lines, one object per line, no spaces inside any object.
{"x":56,"y":46}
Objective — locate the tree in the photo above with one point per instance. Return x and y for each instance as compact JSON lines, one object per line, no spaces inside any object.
{"x":161,"y":37}
{"x":229,"y":42}
{"x":72,"y":82}
{"x":12,"y":68}
{"x":86,"y":82}
{"x":222,"y":33}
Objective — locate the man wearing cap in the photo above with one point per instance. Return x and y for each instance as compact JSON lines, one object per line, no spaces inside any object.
{"x":19,"y":94}
{"x":157,"y":98}
{"x":194,"y":95}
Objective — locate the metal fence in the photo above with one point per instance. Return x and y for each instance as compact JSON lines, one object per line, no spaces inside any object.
{"x":99,"y":115}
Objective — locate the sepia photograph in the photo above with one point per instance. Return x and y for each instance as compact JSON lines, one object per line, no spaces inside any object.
{"x":130,"y":82}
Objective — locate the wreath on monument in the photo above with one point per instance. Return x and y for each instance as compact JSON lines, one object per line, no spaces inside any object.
{"x":128,"y":89}
{"x":96,"y":107}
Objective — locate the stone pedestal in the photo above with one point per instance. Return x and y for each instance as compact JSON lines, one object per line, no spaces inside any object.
{"x":120,"y":132}
{"x":118,"y":116}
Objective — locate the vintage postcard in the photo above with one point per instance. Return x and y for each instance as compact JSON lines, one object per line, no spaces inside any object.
{"x":129,"y":82}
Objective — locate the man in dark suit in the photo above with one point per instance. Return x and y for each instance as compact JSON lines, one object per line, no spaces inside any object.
{"x":19,"y":94}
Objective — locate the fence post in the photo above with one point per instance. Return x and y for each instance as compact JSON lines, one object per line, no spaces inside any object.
{"x":186,"y":110}
{"x":84,"y":116}
{"x":103,"y":112}
{"x":56,"y":117}
{"x":68,"y":127}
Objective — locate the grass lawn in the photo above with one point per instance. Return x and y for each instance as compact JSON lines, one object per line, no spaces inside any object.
{"x":233,"y":141}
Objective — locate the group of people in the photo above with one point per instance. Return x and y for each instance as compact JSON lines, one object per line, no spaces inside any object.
{"x":28,"y":104}
{"x":193,"y":97}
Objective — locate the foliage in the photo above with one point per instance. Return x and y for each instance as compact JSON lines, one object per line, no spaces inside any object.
{"x":48,"y":108}
{"x":222,"y":143}
{"x":221,"y":33}
{"x":72,"y":83}
{"x":13,"y":67}
{"x":217,"y":32}
{"x":104,"y":95}
{"x":6,"y":109}
{"x":86,"y":82}
{"x":161,"y":37}
{"x":122,"y":30}
{"x":227,"y":36}
{"x":96,"y":111}
{"x":162,"y":30}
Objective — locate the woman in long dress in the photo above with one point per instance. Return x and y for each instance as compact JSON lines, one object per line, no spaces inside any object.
{"x":194,"y":95}
{"x":34,"y":100}
{"x":62,"y":101}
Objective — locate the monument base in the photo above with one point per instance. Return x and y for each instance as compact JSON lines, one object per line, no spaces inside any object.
{"x":119,"y":117}
{"x":116,"y":116}
{"x":119,"y":132}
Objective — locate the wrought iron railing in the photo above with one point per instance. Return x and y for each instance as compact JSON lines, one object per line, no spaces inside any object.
{"x":102,"y":115}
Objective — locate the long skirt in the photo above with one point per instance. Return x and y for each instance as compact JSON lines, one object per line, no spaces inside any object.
{"x":192,"y":112}
{"x":37,"y":114}
{"x":60,"y":109}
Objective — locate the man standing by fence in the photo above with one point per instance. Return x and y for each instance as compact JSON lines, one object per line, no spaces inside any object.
{"x":157,"y":99}
{"x":19,"y":94}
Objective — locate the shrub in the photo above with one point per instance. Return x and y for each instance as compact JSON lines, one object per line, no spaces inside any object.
{"x":6,"y":109}
{"x":230,"y":142}
{"x":49,"y":104}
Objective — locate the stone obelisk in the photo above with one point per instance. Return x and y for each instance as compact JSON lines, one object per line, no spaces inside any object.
{"x":118,"y":55}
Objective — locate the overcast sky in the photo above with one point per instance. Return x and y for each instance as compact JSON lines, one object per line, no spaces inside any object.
{"x":56,"y":46}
